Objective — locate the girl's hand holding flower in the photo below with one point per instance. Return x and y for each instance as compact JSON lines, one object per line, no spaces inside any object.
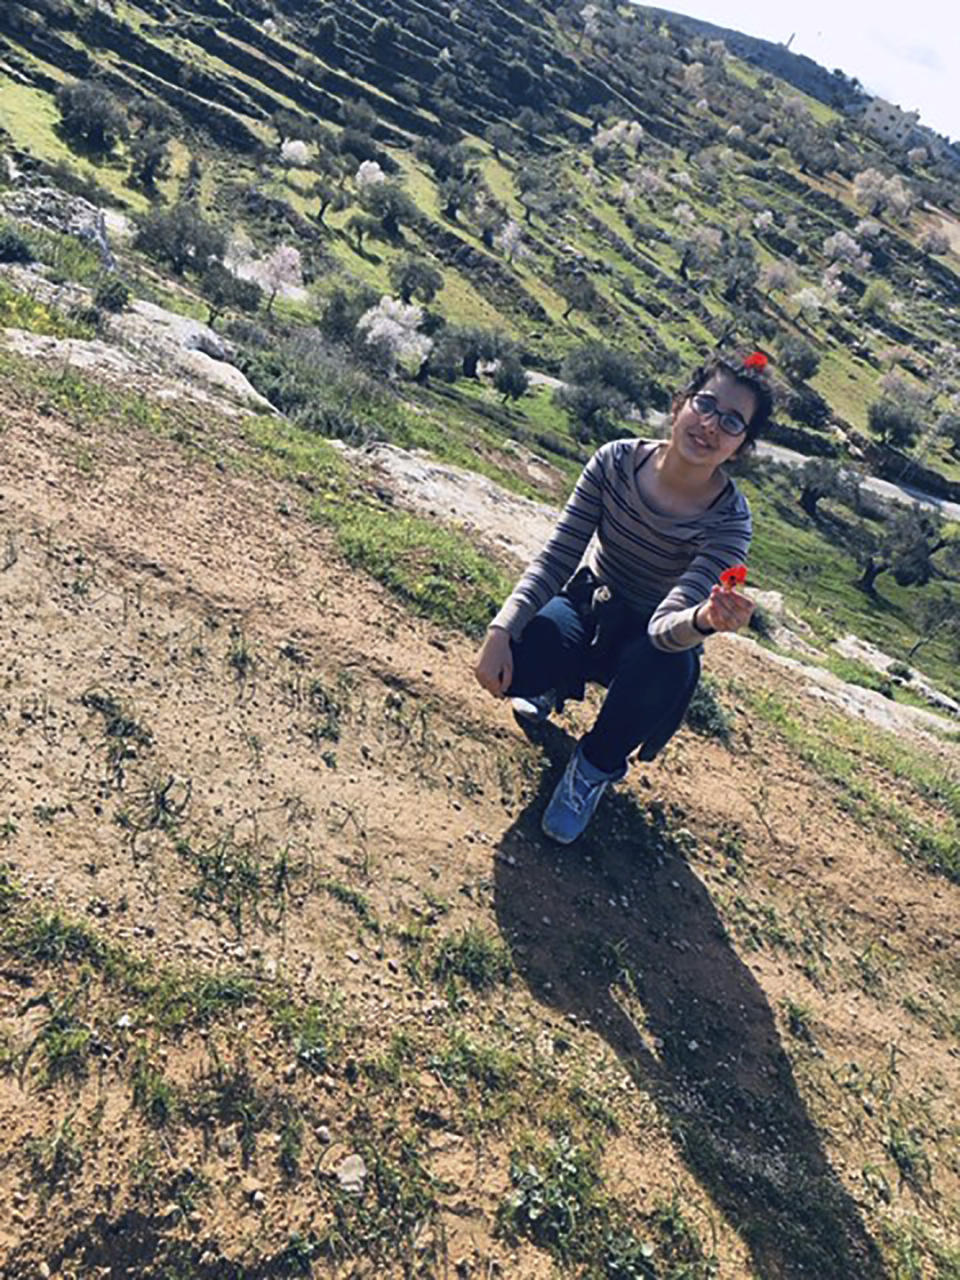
{"x":726,"y":608}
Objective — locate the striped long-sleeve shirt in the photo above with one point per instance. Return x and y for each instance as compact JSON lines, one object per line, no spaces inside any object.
{"x":662,"y":566}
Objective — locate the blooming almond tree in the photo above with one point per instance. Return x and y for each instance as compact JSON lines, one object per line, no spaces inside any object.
{"x":509,"y":240}
{"x":625,"y":133}
{"x":294,"y":153}
{"x":278,"y":271}
{"x":392,"y":327}
{"x":841,"y":247}
{"x":368,"y":175}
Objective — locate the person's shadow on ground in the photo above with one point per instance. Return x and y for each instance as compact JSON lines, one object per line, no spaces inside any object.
{"x":706,"y":1045}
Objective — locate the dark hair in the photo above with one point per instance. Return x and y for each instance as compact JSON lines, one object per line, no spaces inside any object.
{"x":745,"y":376}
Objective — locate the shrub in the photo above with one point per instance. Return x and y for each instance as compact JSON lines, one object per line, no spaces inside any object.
{"x":342,"y":311}
{"x":806,"y":406}
{"x":511,"y":378}
{"x":181,"y":237}
{"x":706,"y":715}
{"x":876,"y":299}
{"x":762,"y":623}
{"x":111,"y":295}
{"x":13,"y":246}
{"x":91,"y":116}
{"x":935,"y":242}
{"x":797,"y":358}
{"x":900,"y":671}
{"x":224,"y":291}
{"x":896,"y":424}
{"x":411,"y":277}
{"x":480,"y":960}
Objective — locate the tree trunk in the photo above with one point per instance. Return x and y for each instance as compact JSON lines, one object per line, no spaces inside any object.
{"x":869,"y":576}
{"x":808,"y":500}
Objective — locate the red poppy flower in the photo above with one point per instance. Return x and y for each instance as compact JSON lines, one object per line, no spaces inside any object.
{"x":756,"y":361}
{"x":735,"y":576}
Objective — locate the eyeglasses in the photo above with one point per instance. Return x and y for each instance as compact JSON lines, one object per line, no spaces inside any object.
{"x":706,"y":406}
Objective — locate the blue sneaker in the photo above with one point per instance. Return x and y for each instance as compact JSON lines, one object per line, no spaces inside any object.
{"x":536,"y":709}
{"x":575,"y":799}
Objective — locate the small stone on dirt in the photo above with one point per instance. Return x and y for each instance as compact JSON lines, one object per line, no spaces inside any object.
{"x":352,"y":1174}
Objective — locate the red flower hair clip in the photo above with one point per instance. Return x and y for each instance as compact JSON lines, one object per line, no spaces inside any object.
{"x":735,"y":576}
{"x":756,"y":361}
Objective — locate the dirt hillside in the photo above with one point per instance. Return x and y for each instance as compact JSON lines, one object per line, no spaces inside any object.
{"x":227,"y":757}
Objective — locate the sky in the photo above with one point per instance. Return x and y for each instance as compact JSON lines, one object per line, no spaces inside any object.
{"x":908,"y":53}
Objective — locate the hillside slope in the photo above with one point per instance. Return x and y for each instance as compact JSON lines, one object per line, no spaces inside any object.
{"x":282,"y":900}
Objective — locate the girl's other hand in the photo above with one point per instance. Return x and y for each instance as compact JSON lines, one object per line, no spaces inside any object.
{"x":494,"y":665}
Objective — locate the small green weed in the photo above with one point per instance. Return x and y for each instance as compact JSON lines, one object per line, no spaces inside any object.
{"x":290,"y":1146}
{"x":9,"y":888}
{"x":481,"y":961}
{"x":58,"y":1156}
{"x":905,"y":1146}
{"x":125,"y":735}
{"x":241,"y":880}
{"x":229,"y":1096}
{"x":309,"y":1031}
{"x":154,"y":1095}
{"x":53,"y":940}
{"x":799,"y":1020}
{"x":556,"y":1199}
{"x":177,"y":1002}
{"x":464,"y":1062}
{"x":240,"y":657}
{"x":387,"y":1068}
{"x":356,"y":901}
{"x":327,"y":712}
{"x":391,"y":1218}
{"x":706,"y":714}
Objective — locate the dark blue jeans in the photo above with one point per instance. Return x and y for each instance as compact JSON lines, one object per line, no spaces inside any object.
{"x":647,"y":689}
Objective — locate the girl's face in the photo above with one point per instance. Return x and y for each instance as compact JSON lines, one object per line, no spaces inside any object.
{"x":697,"y":433}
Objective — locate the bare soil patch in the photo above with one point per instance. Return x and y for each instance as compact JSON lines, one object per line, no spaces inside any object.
{"x":222,"y":750}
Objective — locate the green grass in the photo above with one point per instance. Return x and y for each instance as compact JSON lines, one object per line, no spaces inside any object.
{"x":30,"y":117}
{"x":835,"y":751}
{"x":19,"y":310}
{"x":358,"y":903}
{"x":437,"y":572}
{"x":472,"y":955}
{"x":827,"y":598}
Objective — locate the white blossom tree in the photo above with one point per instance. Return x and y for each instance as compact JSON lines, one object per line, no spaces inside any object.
{"x":278,"y":271}
{"x":935,"y":242}
{"x":625,"y":133}
{"x":649,"y":184}
{"x":509,"y":240}
{"x":393,"y":328}
{"x":693,"y":77}
{"x":831,"y":285}
{"x":684,"y":214}
{"x":809,"y":302}
{"x":841,"y":247}
{"x":294,"y":153}
{"x":777,"y":277}
{"x":868,"y":229}
{"x":876,"y":192}
{"x":368,"y":175}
